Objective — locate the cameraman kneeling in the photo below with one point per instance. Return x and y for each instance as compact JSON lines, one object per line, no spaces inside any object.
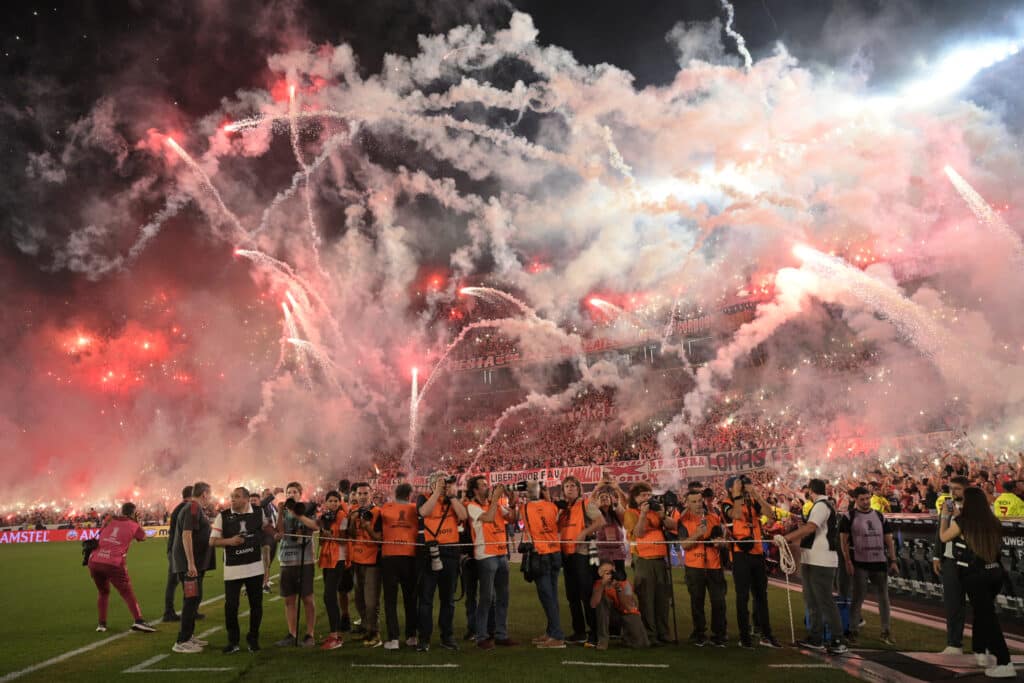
{"x":646,"y":523}
{"x":544,"y":559}
{"x":614,"y":593}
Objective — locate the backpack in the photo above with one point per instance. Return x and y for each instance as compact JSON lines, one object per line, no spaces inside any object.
{"x":831,"y":529}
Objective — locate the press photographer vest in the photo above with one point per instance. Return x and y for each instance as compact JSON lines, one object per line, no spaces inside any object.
{"x":831,"y":529}
{"x":250,"y":526}
{"x":867,"y":534}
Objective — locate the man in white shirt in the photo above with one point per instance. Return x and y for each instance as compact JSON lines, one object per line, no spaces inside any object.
{"x":239,"y":531}
{"x":819,"y":560}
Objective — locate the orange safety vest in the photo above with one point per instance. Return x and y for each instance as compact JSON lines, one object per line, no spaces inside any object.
{"x":612,"y":593}
{"x":398,"y":523}
{"x":330,"y":551}
{"x":702,"y":555}
{"x":494,"y":539}
{"x":541,"y":518}
{"x":571,"y":522}
{"x":746,"y":527}
{"x":651,"y":545}
{"x":363,"y":550}
{"x":449,"y":528}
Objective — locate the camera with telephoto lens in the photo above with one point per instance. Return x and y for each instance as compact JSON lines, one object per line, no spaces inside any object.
{"x":298,"y":508}
{"x":450,"y":480}
{"x":519,"y":486}
{"x":435,"y":556}
{"x":327,"y":518}
{"x":365,"y":514}
{"x":668,"y":499}
{"x":562,"y":504}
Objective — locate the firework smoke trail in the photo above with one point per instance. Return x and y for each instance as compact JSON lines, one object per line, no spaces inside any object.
{"x":741,"y":43}
{"x":292,"y":332}
{"x":207,"y":184}
{"x":613,"y":311}
{"x":413,"y":415}
{"x":307,"y":192}
{"x":985,"y":214}
{"x":490,"y":294}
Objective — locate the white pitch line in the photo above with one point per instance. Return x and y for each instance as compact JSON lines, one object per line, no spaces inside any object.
{"x":799,"y":666}
{"x":628,"y":665}
{"x":405,"y":666}
{"x":85,"y":648}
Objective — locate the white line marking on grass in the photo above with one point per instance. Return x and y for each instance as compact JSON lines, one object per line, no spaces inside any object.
{"x":405,"y":666}
{"x":800,"y":666}
{"x":143,"y":668}
{"x":616,"y":664}
{"x":86,"y":648}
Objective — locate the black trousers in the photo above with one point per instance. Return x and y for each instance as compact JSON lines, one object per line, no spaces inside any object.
{"x":399,"y":571}
{"x":172,"y":586}
{"x":954,"y":600}
{"x":579,"y":584}
{"x":443,"y":582}
{"x":700,"y":583}
{"x":232,"y":597}
{"x":982,"y":587}
{"x":189,"y":608}
{"x":751,"y":577}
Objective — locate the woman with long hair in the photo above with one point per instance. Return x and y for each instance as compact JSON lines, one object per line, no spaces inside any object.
{"x":977,"y":537}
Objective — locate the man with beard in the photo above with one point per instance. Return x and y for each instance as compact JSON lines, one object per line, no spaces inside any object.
{"x":945,"y":567}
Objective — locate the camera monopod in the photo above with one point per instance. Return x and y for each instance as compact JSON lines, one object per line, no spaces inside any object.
{"x":672,"y":597}
{"x":298,"y":601}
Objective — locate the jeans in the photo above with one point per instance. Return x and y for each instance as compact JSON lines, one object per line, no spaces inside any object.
{"x":700,"y":582}
{"x":751,"y":577}
{"x":232,"y":594}
{"x":880,"y":580}
{"x":820,"y":602}
{"x":547,"y":592}
{"x":982,"y":586}
{"x":954,"y":600}
{"x":494,"y":575}
{"x":443,"y":582}
{"x":189,"y":608}
{"x":368,"y":595}
{"x":654,"y":595}
{"x":471,"y":586}
{"x":399,"y":571}
{"x":579,"y":584}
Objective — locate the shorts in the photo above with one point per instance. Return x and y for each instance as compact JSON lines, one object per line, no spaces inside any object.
{"x":297,"y":581}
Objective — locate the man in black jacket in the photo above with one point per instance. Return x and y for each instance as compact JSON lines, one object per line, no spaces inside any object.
{"x":172,"y":577}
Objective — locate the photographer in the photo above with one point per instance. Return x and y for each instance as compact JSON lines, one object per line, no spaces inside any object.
{"x":577,"y":522}
{"x":192,"y":558}
{"x":611,"y":594}
{"x":646,"y":522}
{"x":295,"y":528}
{"x":438,"y":559}
{"x":239,"y":530}
{"x":397,"y":523}
{"x":107,"y":565}
{"x":869,"y":553}
{"x":490,"y":550}
{"x":333,"y":554}
{"x":704,"y":574}
{"x":743,"y":507}
{"x":610,"y":536}
{"x":819,"y":561}
{"x":364,"y":553}
{"x":541,"y":527}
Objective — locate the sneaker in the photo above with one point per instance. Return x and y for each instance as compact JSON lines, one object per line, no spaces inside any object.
{"x":601,"y":645}
{"x":391,"y":645}
{"x":308,"y":641}
{"x":346,"y":624}
{"x":589,"y":645}
{"x":332,"y":643}
{"x":101,"y":628}
{"x":357,"y":621}
{"x":372,"y":640}
{"x":719,"y":642}
{"x":838,"y":648}
{"x":186,"y":648}
{"x":505,"y":642}
{"x":952,"y":651}
{"x":861,"y":624}
{"x":852,"y":638}
{"x":254,"y":645}
{"x":450,"y":644}
{"x":287,"y":641}
{"x":231,"y":649}
{"x":985,"y":660}
{"x":142,"y":627}
{"x":423,"y":647}
{"x":198,"y":641}
{"x":810,"y":645}
{"x":700,"y":642}
{"x":266,"y":589}
{"x":469,"y":636}
{"x":771,"y":641}
{"x":1001,"y":671}
{"x":576,"y":638}
{"x":552,"y":644}
{"x":697,"y":637}
{"x":485,"y":644}
{"x":886,"y":638}
{"x":538,"y":640}
{"x":171,"y":617}
{"x":746,"y":643}
{"x":412,"y":641}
